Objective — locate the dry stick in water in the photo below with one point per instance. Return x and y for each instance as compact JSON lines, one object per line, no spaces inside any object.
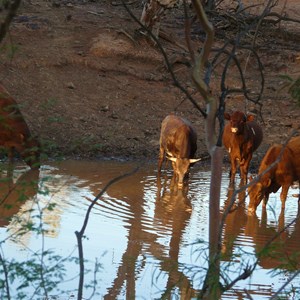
{"x":80,"y":234}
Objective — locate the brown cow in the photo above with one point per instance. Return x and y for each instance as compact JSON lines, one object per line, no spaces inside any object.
{"x":14,"y":132}
{"x":283,"y":174}
{"x":178,"y":140}
{"x":241,"y":137}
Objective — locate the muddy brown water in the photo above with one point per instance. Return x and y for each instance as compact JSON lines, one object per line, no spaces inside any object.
{"x":147,"y":238}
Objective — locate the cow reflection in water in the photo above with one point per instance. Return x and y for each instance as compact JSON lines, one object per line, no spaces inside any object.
{"x":140,"y":241}
{"x":14,"y":195}
{"x":173,"y":210}
{"x":283,"y":252}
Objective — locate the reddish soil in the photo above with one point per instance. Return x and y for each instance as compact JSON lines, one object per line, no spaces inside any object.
{"x":90,"y":87}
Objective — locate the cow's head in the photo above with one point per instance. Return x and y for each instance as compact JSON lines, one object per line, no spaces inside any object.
{"x":181,"y":167}
{"x":257,"y":193}
{"x":237,"y":121}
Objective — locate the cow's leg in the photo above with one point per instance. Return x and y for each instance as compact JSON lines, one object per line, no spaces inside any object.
{"x":175,"y":169}
{"x":232,"y":169}
{"x":265,"y":200}
{"x":283,"y":195}
{"x":244,"y":170}
{"x":160,"y":158}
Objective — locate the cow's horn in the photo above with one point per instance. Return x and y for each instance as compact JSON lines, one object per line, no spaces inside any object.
{"x":171,"y":158}
{"x":194,"y":160}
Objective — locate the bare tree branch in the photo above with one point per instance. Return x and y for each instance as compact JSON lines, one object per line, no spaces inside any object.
{"x":276,"y":295}
{"x":202,"y":60}
{"x":169,"y":67}
{"x":80,"y":234}
{"x":5,"y":271}
{"x":279,"y":18}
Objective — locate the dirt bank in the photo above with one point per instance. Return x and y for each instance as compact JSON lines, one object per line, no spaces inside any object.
{"x":90,"y":87}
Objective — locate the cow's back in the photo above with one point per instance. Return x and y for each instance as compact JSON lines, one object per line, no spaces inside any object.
{"x":270,"y":157}
{"x":178,"y":137}
{"x":13,"y":128}
{"x":294,"y":146}
{"x":256,"y":133}
{"x":282,"y":171}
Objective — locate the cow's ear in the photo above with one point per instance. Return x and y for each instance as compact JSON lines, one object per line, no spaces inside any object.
{"x":227,"y":116}
{"x":250,"y":118}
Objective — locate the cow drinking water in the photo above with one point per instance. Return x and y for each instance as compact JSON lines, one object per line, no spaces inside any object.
{"x":14,"y":132}
{"x":241,"y":137}
{"x":282,"y":174}
{"x":178,"y":142}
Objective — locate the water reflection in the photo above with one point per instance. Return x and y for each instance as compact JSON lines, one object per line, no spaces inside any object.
{"x":283,"y":252}
{"x":147,"y":226}
{"x":171,"y":214}
{"x":131,"y":192}
{"x":173,"y":209}
{"x":283,"y":242}
{"x":235,"y":221}
{"x":15,"y":192}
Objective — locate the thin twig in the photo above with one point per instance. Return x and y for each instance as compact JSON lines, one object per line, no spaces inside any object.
{"x":275,"y":296}
{"x":80,"y":234}
{"x":5,"y":271}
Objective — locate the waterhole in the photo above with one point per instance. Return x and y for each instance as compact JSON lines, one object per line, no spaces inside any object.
{"x":144,"y":238}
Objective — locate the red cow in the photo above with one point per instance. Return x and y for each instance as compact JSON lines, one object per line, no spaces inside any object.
{"x":14,"y":132}
{"x":282,"y":174}
{"x":241,"y":138}
{"x":178,"y":139}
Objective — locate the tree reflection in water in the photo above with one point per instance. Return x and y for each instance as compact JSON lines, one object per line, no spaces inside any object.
{"x":149,"y":228}
{"x":172,"y":211}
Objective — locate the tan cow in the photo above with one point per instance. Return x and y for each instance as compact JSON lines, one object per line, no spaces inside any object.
{"x":241,"y":137}
{"x":14,"y":132}
{"x":282,"y":174}
{"x":178,"y":140}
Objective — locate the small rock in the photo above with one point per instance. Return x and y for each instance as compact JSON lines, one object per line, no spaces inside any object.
{"x":71,"y":85}
{"x":147,"y":132}
{"x":114,"y":116}
{"x":104,"y":108}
